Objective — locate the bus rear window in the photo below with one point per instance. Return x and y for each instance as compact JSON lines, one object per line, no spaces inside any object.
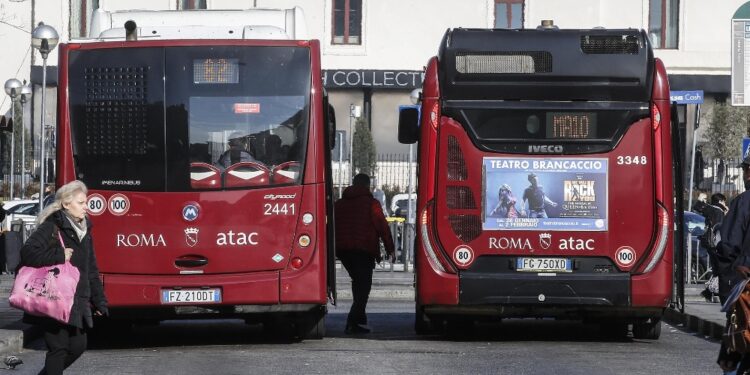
{"x":189,"y":118}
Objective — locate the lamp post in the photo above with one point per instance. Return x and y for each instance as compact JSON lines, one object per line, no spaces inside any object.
{"x":25,"y":96}
{"x":13,"y":89}
{"x":44,"y":38}
{"x":354,"y":112}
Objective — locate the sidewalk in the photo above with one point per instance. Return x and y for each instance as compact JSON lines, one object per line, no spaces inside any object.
{"x":699,"y":316}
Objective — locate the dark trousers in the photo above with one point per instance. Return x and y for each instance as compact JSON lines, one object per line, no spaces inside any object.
{"x":359,"y":265}
{"x":64,"y":345}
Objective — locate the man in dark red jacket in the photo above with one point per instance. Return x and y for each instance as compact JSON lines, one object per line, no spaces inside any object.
{"x":360,"y":224}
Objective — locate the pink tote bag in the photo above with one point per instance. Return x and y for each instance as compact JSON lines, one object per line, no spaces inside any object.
{"x":46,"y":291}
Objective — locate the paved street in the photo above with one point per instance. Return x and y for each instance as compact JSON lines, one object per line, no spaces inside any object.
{"x":511,"y":347}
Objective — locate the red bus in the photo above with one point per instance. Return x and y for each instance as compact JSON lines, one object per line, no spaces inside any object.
{"x":545,"y":179}
{"x":208,"y":164}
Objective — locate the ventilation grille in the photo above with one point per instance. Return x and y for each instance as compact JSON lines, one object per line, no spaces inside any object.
{"x":460,"y":197}
{"x":610,"y":45}
{"x":466,"y":227}
{"x":116,"y":121}
{"x":456,"y":163}
{"x":511,"y":62}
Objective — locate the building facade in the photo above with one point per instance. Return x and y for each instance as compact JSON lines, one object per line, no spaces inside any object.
{"x":374,"y":51}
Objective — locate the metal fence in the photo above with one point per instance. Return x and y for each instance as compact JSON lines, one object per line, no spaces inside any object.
{"x":391,"y":171}
{"x":716,"y":176}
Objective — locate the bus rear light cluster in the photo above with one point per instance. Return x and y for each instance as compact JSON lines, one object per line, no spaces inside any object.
{"x":661,"y":239}
{"x":434,"y":115}
{"x":460,"y":198}
{"x":427,"y":243}
{"x":456,"y":164}
{"x":304,"y":240}
{"x":656,"y":116}
{"x":297,"y":263}
{"x":466,"y":227}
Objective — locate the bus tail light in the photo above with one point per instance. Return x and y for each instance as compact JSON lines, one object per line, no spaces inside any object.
{"x":655,"y":116}
{"x":427,"y":242}
{"x":661,"y":239}
{"x":297,"y":263}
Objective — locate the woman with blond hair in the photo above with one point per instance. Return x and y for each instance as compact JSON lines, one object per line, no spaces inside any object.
{"x":64,"y":220}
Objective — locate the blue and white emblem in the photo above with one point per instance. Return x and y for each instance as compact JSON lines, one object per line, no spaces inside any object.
{"x":190,"y":212}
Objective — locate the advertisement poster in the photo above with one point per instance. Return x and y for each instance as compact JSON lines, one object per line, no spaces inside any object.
{"x":545,"y":194}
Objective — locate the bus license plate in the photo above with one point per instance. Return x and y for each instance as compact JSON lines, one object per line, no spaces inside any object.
{"x":543,"y":265}
{"x":191,"y":296}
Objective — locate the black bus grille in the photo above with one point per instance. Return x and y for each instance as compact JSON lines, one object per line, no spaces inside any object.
{"x":466,"y":227}
{"x":505,"y":62}
{"x":610,"y":45}
{"x":456,"y":163}
{"x":116,"y":109}
{"x":460,"y":198}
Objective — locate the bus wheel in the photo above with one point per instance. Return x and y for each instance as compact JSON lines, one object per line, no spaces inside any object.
{"x":648,"y":329}
{"x":312,"y":326}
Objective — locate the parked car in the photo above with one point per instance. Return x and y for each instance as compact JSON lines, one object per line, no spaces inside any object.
{"x":399,"y":208}
{"x":24,"y":209}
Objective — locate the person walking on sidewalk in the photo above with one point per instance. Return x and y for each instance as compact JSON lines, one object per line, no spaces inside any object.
{"x":66,"y":216}
{"x":360,"y":226}
{"x":733,"y":261}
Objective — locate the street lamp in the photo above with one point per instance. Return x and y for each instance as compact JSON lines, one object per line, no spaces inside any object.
{"x":44,"y":38}
{"x":13,"y":89}
{"x":25,"y":96}
{"x":355,"y":111}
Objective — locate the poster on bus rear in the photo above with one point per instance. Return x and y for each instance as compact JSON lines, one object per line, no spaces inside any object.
{"x":545,"y":194}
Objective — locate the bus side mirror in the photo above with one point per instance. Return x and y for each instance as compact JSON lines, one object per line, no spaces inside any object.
{"x":408,"y":125}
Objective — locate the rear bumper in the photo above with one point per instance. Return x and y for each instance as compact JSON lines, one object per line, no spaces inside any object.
{"x":531,"y":288}
{"x":568,"y":296}
{"x":139,"y":296}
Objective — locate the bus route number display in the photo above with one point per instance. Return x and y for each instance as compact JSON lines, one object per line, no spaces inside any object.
{"x":216,"y":71}
{"x":571,"y":125}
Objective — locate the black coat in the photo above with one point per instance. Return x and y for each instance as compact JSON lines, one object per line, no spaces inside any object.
{"x":43,"y":249}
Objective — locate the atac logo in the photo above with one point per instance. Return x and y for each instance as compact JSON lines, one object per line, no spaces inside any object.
{"x":545,"y":240}
{"x":190,"y":212}
{"x":191,"y":236}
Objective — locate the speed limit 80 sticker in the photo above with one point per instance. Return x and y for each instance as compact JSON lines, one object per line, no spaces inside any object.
{"x":118,"y":204}
{"x":96,"y":204}
{"x":625,"y":256}
{"x":463,"y":255}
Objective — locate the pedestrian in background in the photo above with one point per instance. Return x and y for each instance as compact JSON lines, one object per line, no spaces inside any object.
{"x":49,"y":196}
{"x":360,"y":226}
{"x":66,"y":216}
{"x":733,"y":261}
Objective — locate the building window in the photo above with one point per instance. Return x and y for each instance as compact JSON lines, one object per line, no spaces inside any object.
{"x":663,"y":23}
{"x":347,"y":22}
{"x":191,"y":4}
{"x":509,"y":14}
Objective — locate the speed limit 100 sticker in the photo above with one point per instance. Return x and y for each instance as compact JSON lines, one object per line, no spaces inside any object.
{"x":463,"y":255}
{"x":625,"y":256}
{"x":118,"y":204}
{"x":96,"y":204}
